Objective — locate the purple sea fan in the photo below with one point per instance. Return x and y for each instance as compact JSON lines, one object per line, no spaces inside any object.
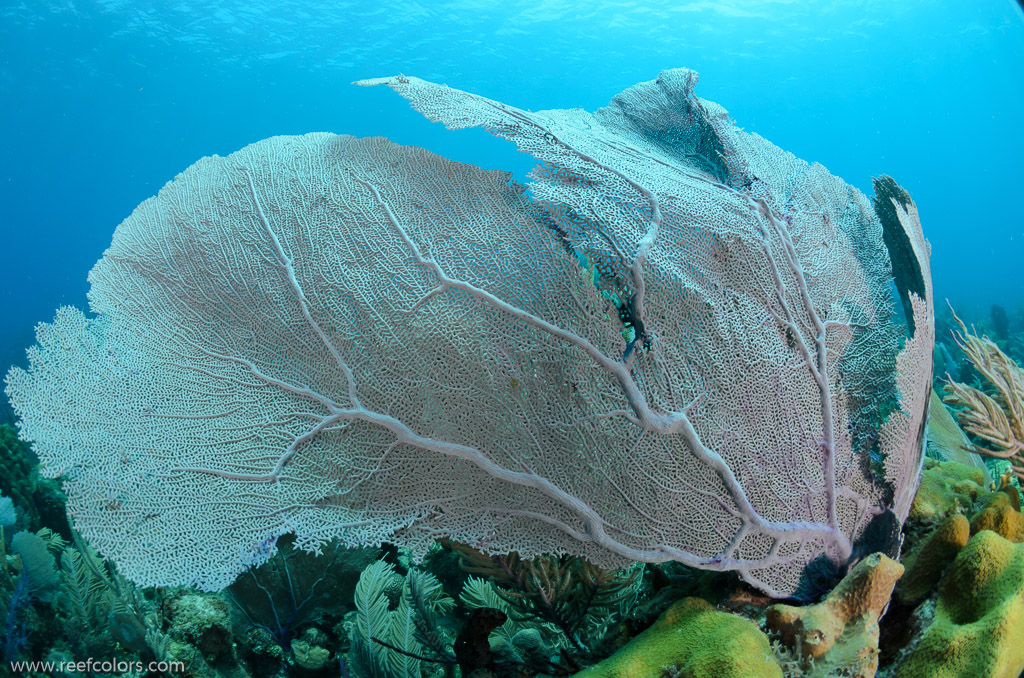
{"x":678,"y":345}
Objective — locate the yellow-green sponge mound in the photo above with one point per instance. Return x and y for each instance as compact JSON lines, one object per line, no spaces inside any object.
{"x":946,"y":488}
{"x":697,"y":641}
{"x":978,"y":630}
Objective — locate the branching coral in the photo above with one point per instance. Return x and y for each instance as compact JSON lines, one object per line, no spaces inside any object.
{"x":388,"y":643}
{"x":279,"y":597}
{"x":99,"y":606}
{"x":994,"y":414}
{"x":567,"y":592}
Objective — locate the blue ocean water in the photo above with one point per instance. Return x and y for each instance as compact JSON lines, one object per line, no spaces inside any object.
{"x":103,"y":101}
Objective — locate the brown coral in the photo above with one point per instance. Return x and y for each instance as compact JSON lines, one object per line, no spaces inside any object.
{"x":841,"y":632}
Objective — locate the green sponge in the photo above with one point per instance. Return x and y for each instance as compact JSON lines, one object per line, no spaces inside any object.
{"x":695,"y":641}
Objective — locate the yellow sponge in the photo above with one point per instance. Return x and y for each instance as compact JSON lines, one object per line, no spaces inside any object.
{"x":978,"y":630}
{"x":839,"y":636}
{"x":946,"y":488}
{"x":1002,"y":516}
{"x":930,"y":558}
{"x":695,"y":641}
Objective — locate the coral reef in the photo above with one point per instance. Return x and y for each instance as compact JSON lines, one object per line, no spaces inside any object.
{"x":309,"y":650}
{"x":295,"y":588}
{"x":1001,"y":514}
{"x":568,"y":593}
{"x":951,"y":506}
{"x":946,"y":488}
{"x":201,"y":621}
{"x":462,"y":612}
{"x":374,"y":613}
{"x":386,"y":641}
{"x":953,"y":502}
{"x":957,"y":611}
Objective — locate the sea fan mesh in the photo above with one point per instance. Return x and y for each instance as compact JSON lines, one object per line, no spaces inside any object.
{"x":676,"y":346}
